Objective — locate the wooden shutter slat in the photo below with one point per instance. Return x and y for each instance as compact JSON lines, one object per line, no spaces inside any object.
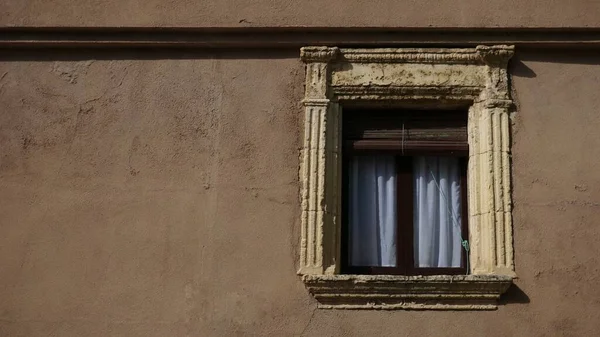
{"x":441,"y":126}
{"x":407,"y":147}
{"x":411,"y":133}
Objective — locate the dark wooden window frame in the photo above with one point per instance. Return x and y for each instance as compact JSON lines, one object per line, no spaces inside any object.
{"x":403,"y":148}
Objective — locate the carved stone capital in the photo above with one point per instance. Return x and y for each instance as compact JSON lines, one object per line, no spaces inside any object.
{"x":318,"y":54}
{"x":496,"y":56}
{"x":315,"y":102}
{"x":498,"y":103}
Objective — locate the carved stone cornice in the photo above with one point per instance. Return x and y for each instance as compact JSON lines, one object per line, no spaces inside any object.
{"x":318,"y":54}
{"x":441,"y":292}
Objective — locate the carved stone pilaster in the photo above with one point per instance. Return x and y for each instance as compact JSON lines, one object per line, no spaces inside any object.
{"x":490,"y":206}
{"x":319,"y":167}
{"x":489,"y":174}
{"x":320,"y":189}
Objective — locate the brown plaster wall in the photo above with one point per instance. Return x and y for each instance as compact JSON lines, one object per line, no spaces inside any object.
{"x":274,"y":13}
{"x":156,"y":194}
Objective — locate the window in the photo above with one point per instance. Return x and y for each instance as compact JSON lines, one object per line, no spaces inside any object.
{"x":445,"y":142}
{"x":404,"y":192}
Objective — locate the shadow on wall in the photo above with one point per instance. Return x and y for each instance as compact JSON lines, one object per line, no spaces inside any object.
{"x":517,"y":68}
{"x":567,"y":56}
{"x":513,"y":295}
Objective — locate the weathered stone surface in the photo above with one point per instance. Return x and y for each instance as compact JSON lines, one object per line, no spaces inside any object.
{"x":440,"y":292}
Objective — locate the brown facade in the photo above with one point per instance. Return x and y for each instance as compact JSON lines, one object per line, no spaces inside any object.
{"x":315,"y":13}
{"x":156,"y":192}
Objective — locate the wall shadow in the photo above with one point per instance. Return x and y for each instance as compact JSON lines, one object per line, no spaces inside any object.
{"x":514,"y":294}
{"x":516,"y":67}
{"x":570,"y":56}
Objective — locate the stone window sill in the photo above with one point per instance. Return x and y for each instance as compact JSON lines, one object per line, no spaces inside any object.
{"x":440,"y":292}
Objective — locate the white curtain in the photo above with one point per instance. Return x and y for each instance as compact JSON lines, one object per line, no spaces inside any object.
{"x":372,"y":216}
{"x":437,"y":212}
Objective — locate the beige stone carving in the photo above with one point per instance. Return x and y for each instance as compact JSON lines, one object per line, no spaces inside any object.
{"x":457,"y":292}
{"x":472,"y":77}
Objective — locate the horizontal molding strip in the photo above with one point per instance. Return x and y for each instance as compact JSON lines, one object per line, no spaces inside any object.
{"x":292,"y":37}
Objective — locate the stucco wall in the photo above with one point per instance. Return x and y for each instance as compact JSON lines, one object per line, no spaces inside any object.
{"x":156,"y":194}
{"x":340,"y":13}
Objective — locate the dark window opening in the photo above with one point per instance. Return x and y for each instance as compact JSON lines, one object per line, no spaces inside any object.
{"x":404,"y":192}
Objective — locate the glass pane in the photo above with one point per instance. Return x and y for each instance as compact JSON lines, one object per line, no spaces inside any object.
{"x":372,"y":211}
{"x":437,"y":212}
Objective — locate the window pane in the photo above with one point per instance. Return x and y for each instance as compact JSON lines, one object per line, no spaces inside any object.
{"x":372,"y":211}
{"x":437,"y":212}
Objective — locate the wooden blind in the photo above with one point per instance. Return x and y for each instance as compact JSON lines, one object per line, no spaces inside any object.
{"x":406,"y":131}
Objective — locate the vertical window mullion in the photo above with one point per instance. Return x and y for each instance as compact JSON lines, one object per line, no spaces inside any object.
{"x":405,"y":213}
{"x":409,"y":222}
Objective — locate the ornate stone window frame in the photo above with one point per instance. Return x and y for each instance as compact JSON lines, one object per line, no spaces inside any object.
{"x":473,"y":78}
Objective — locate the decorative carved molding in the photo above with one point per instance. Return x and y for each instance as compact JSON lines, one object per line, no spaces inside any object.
{"x":473,"y":78}
{"x":443,"y":292}
{"x":497,"y":56}
{"x":410,"y":55}
{"x":402,"y":93}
